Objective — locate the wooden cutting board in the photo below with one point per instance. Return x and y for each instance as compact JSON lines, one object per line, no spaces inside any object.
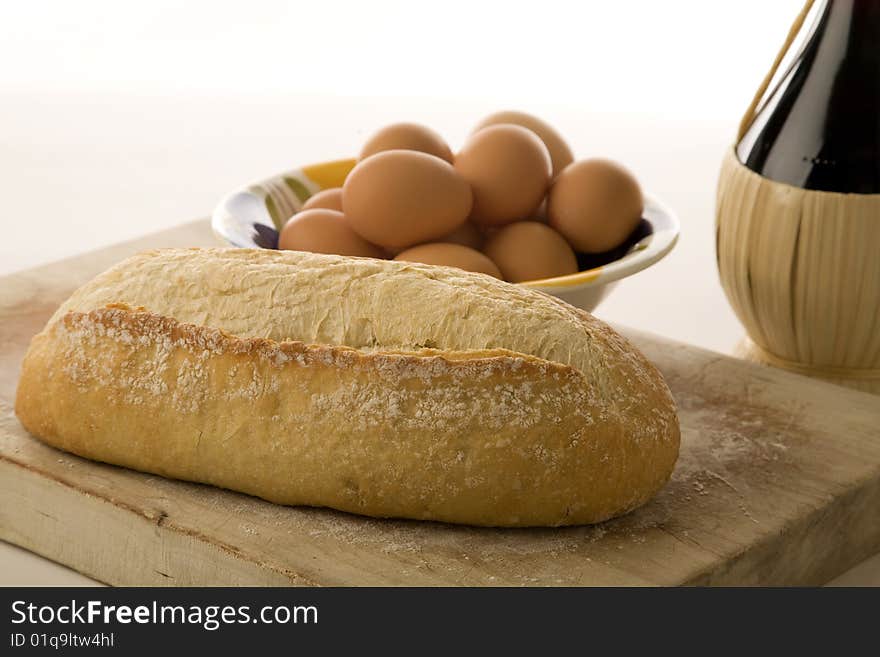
{"x":778,"y":483}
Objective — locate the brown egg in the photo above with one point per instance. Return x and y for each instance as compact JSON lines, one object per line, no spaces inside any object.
{"x":560,"y":153}
{"x":408,"y":137}
{"x":508,"y":168}
{"x":530,"y":251}
{"x":595,"y":204}
{"x":331,"y":199}
{"x":450,"y":255}
{"x":400,"y":198}
{"x":320,"y":230}
{"x":467,"y":235}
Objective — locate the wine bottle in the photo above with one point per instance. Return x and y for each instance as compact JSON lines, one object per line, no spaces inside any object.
{"x":820,"y":127}
{"x":798,"y":205}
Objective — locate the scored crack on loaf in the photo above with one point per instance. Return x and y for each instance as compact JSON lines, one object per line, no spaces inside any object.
{"x":377,"y":387}
{"x":362,"y":303}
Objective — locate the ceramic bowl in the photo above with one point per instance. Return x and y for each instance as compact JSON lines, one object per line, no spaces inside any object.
{"x":252,"y":216}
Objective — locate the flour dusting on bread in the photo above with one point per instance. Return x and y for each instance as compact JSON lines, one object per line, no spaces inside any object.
{"x":363,"y":303}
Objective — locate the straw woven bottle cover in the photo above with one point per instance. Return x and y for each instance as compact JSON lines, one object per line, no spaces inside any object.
{"x":798,"y":213}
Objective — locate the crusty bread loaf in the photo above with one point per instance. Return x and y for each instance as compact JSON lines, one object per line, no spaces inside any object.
{"x":377,"y":387}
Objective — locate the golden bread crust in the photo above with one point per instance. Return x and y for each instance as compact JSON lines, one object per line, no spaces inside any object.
{"x":487,"y":436}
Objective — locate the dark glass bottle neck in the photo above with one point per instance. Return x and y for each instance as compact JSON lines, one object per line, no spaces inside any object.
{"x":820,"y":128}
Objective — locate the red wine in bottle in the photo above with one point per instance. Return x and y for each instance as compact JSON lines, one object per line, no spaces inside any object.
{"x":820,"y":127}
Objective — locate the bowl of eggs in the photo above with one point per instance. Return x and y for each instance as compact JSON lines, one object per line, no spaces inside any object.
{"x":512,"y":203}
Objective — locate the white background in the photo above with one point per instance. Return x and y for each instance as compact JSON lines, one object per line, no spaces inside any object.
{"x":121,"y":118}
{"x":679,"y":57}
{"x":117,"y":117}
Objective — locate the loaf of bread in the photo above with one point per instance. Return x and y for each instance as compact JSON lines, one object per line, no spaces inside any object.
{"x":383,"y":388}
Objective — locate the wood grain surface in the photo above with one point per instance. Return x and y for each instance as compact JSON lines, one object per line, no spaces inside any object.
{"x":778,"y":483}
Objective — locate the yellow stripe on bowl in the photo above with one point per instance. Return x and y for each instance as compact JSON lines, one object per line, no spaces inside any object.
{"x":567,"y":281}
{"x":329,"y":174}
